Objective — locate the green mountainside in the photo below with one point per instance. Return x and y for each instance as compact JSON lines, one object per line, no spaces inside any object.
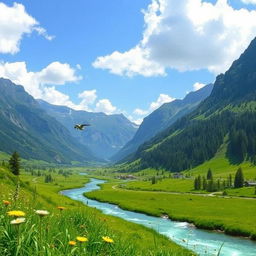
{"x":162,"y":118}
{"x":106,"y":135}
{"x":228,"y":114}
{"x":26,"y":128}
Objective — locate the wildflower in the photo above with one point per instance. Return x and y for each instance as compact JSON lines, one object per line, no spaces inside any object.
{"x":61,"y":208}
{"x":81,"y":239}
{"x":107,"y":239}
{"x":72,"y":243}
{"x":16,"y":213}
{"x":6,"y":203}
{"x":18,"y":221}
{"x":42,"y":213}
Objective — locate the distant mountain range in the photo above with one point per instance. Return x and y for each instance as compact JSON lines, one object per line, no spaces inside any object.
{"x":106,"y":135}
{"x":162,"y":118}
{"x":226,"y":117}
{"x":26,"y":128}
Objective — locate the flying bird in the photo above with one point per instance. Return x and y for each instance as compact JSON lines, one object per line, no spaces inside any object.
{"x":81,"y":126}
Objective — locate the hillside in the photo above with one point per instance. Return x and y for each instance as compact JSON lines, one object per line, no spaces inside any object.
{"x":26,"y":128}
{"x":106,"y":135}
{"x":162,"y":118}
{"x":228,"y":113}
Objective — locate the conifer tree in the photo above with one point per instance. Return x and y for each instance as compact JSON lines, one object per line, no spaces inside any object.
{"x":239,"y":178}
{"x":14,"y":163}
{"x":209,"y":174}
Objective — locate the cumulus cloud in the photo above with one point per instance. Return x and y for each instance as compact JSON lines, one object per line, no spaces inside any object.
{"x":15,"y":22}
{"x":41,"y":84}
{"x":88,"y":98}
{"x":140,"y":112}
{"x":185,"y":35}
{"x":105,"y":106}
{"x":162,"y":98}
{"x":197,"y":86}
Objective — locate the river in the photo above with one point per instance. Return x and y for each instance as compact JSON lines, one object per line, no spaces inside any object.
{"x":203,"y":242}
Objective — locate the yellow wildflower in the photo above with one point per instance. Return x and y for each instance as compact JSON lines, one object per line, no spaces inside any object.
{"x":16,"y":213}
{"x":81,"y":239}
{"x":61,"y":208}
{"x":18,"y":221}
{"x":72,"y":243}
{"x":107,"y":239}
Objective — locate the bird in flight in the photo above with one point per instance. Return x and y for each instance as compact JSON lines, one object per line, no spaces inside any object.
{"x":81,"y":126}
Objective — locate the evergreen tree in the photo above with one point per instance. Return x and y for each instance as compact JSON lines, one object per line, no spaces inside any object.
{"x":199,"y":181}
{"x":14,"y":163}
{"x":153,"y":180}
{"x":209,"y":174}
{"x":196,"y":184}
{"x":230,"y":180}
{"x":204,"y":183}
{"x":239,"y":178}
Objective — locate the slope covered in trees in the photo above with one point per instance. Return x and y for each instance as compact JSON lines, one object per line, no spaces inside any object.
{"x":229,"y":114}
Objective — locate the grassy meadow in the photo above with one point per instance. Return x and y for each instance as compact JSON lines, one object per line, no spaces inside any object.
{"x":204,"y":211}
{"x":60,"y":231}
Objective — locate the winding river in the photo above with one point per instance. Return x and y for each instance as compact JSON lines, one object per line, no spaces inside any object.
{"x":200,"y":241}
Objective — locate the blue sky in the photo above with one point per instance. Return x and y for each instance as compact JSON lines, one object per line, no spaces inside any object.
{"x":80,"y":38}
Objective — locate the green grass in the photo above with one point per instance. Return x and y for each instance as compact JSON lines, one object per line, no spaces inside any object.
{"x":232,"y":215}
{"x":168,"y":185}
{"x":77,"y":220}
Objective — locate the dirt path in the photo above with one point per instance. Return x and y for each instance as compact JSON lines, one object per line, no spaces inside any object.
{"x":214,"y":194}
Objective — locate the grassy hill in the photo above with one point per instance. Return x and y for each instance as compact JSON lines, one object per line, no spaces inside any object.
{"x":50,"y":235}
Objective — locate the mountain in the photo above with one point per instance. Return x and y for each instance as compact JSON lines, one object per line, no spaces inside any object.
{"x":227,"y":117}
{"x":29,"y":130}
{"x":162,"y":118}
{"x":106,"y":135}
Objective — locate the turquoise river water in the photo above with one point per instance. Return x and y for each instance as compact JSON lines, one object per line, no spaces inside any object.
{"x":204,"y":243}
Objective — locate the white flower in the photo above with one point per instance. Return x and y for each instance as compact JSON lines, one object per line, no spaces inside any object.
{"x":18,"y":221}
{"x":42,"y":213}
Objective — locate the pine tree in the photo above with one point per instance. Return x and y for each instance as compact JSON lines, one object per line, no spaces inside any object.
{"x":14,"y":163}
{"x":209,"y":174}
{"x":153,"y":180}
{"x":196,"y":184}
{"x":239,"y":178}
{"x":204,"y":183}
{"x":199,"y":181}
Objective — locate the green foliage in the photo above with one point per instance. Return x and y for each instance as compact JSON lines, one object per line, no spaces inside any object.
{"x":14,"y":163}
{"x":239,"y":178}
{"x":204,"y":211}
{"x":209,"y":174}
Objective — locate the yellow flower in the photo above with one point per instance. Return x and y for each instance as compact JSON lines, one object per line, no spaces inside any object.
{"x":18,"y":221}
{"x":6,"y":203}
{"x":81,"y":239}
{"x":72,"y":243}
{"x":16,"y":213}
{"x":42,"y":213}
{"x":61,"y":208}
{"x":107,"y":239}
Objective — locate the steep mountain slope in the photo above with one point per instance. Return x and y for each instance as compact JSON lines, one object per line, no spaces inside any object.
{"x":26,"y":128}
{"x":228,"y":116}
{"x":106,"y":135}
{"x":162,"y":118}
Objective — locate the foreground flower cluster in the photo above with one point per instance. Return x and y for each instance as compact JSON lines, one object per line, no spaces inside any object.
{"x":79,"y":244}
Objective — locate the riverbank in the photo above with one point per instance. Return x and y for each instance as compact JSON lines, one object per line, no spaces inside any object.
{"x":231,"y":215}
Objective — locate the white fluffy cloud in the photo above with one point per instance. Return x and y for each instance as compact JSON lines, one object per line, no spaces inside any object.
{"x":105,"y":106}
{"x":185,"y":35}
{"x":42,"y":85}
{"x":197,"y":86}
{"x":163,"y":98}
{"x":35,"y":83}
{"x":15,"y":22}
